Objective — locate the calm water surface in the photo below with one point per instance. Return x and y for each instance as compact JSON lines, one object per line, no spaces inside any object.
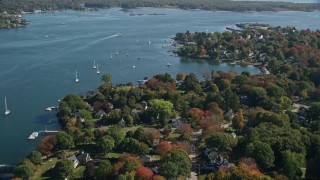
{"x":38,"y":62}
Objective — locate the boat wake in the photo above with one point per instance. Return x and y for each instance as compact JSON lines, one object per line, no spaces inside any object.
{"x":105,"y":38}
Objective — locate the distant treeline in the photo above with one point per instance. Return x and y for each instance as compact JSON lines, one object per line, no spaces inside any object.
{"x":222,"y":5}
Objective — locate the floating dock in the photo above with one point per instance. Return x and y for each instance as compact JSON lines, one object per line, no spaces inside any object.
{"x":33,"y":135}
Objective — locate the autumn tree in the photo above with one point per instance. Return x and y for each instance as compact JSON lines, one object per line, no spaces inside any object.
{"x":151,"y":134}
{"x":46,"y":145}
{"x":163,"y":147}
{"x":183,"y":145}
{"x":126,"y":164}
{"x":185,"y":128}
{"x":196,"y":115}
{"x":238,"y":120}
{"x":144,"y":174}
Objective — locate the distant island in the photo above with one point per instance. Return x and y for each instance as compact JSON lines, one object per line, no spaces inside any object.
{"x":11,"y":20}
{"x":16,"y":7}
{"x":227,"y":125}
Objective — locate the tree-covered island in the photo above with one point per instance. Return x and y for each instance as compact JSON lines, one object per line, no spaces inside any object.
{"x":224,"y":126}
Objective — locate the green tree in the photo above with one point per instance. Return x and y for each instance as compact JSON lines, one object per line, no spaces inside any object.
{"x":85,"y":114}
{"x":262,"y":153}
{"x":35,"y":157}
{"x":103,"y":170}
{"x":175,"y":163}
{"x":313,"y":165}
{"x":314,"y":112}
{"x":117,"y":134}
{"x":63,"y":169}
{"x":64,"y":141}
{"x":106,"y":78}
{"x":89,"y":172}
{"x":257,"y":96}
{"x":222,"y":141}
{"x":25,"y":169}
{"x":106,"y":144}
{"x":73,"y":101}
{"x":133,"y":146}
{"x":291,"y":164}
{"x":161,"y":110}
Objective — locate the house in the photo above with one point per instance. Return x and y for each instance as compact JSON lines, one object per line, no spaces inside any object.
{"x":99,"y":114}
{"x":122,"y":122}
{"x":83,"y":158}
{"x":175,"y":123}
{"x":146,"y":158}
{"x":229,"y":114}
{"x":75,"y":160}
{"x":233,"y":135}
{"x":136,"y":111}
{"x":144,"y":105}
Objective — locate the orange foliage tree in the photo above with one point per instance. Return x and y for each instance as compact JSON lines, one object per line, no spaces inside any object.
{"x":163,"y":147}
{"x":196,"y":115}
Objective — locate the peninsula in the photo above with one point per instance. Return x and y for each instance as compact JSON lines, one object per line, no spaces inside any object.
{"x":227,"y":125}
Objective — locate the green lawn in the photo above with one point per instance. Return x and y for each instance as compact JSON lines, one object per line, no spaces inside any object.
{"x":40,"y":173}
{"x":78,"y":172}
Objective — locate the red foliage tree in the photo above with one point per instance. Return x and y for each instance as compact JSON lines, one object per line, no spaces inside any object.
{"x":144,"y":174}
{"x":163,"y":147}
{"x":126,"y":164}
{"x":185,"y":128}
{"x":182,"y":145}
{"x":47,"y":144}
{"x":154,"y":83}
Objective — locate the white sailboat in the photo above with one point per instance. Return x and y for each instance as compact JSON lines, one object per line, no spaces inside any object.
{"x":94,"y":64}
{"x":98,"y":72}
{"x":76,"y":80}
{"x":7,"y":111}
{"x":116,"y":53}
{"x":111,"y":55}
{"x":149,"y":41}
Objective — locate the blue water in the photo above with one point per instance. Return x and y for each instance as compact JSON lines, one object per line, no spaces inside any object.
{"x":292,"y":1}
{"x":38,"y":62}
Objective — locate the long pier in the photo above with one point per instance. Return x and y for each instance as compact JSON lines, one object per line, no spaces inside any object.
{"x":35,"y":134}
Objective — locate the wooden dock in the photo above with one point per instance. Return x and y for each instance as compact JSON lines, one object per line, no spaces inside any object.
{"x":35,"y":134}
